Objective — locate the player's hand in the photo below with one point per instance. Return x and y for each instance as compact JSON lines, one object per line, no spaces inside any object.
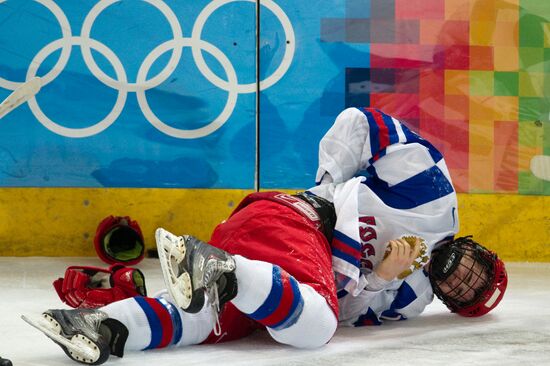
{"x":93,"y":287}
{"x":400,"y":256}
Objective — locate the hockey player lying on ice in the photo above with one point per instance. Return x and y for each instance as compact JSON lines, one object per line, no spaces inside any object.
{"x":351,"y":251}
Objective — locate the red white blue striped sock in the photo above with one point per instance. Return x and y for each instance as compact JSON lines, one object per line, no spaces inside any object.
{"x":267,"y":293}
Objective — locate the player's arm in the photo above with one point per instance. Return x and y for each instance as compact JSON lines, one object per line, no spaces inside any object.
{"x":404,"y":260}
{"x":357,"y":138}
{"x":410,"y":300}
{"x":369,"y":140}
{"x":384,"y":297}
{"x":396,"y":301}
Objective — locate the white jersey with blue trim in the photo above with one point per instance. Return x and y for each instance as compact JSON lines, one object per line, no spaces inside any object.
{"x":386,"y":182}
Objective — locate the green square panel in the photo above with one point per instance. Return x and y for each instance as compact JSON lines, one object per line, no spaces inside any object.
{"x":530,"y":109}
{"x":529,"y":184}
{"x":506,"y":83}
{"x":540,"y":9}
{"x":531,"y":59}
{"x":529,"y":134}
{"x":481,"y":82}
{"x":531,"y":84}
{"x":531,"y":32}
{"x":545,"y":88}
{"x":546,"y":60}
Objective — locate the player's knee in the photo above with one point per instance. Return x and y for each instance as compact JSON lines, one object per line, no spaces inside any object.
{"x":315,"y":326}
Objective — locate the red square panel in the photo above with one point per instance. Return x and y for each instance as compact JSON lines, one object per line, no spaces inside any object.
{"x":383,"y":56}
{"x":506,"y":133}
{"x":424,"y":9}
{"x":406,"y":106}
{"x":457,"y":57}
{"x":455,"y":32}
{"x":432,"y":83}
{"x":431,"y":94}
{"x":457,"y":107}
{"x":401,"y":106}
{"x":460,"y":179}
{"x":384,"y":102}
{"x":432,"y":128}
{"x":457,"y":136}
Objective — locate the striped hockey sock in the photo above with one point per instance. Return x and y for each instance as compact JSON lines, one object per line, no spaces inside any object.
{"x":267,"y":294}
{"x":157,"y":323}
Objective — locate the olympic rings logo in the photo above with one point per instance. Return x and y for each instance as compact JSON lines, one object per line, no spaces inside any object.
{"x":142,"y":84}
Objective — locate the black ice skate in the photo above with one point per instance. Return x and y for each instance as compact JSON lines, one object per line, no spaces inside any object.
{"x":77,"y":332}
{"x":191,"y":268}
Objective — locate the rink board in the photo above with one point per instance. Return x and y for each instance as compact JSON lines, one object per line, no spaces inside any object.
{"x":62,"y":221}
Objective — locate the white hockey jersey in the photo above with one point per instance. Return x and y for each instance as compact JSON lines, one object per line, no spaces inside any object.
{"x":385,"y":182}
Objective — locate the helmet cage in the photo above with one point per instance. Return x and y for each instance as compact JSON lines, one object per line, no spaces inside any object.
{"x":484,"y":271}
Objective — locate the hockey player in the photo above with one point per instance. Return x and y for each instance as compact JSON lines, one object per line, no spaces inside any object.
{"x":352,"y":251}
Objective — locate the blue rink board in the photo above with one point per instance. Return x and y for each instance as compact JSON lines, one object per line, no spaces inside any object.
{"x":57,"y":148}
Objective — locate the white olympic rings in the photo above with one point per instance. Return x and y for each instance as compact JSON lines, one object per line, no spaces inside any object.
{"x":155,"y":81}
{"x":246,"y":88}
{"x":231,"y":100}
{"x":107,"y":121}
{"x":142,"y":84}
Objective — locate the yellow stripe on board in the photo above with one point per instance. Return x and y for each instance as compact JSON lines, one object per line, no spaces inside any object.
{"x":517,"y":227}
{"x":62,"y":221}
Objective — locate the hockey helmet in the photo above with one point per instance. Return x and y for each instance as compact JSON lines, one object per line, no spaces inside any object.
{"x":467,"y":277}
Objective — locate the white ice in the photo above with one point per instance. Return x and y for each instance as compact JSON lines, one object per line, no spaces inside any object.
{"x":516,"y":333}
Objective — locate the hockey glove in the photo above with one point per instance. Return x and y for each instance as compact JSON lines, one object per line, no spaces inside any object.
{"x":118,"y":239}
{"x":92,"y":287}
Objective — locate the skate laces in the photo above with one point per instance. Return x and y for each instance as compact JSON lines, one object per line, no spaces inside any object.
{"x":214,"y":302}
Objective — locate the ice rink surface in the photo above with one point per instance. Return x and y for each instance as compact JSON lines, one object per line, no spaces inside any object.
{"x":517,"y":333}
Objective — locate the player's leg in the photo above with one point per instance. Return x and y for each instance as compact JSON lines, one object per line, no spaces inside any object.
{"x":90,"y":336}
{"x":156,"y":322}
{"x":294,"y":313}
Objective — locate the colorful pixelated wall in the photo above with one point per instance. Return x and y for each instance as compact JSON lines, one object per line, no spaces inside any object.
{"x":469,"y":75}
{"x":163,"y":93}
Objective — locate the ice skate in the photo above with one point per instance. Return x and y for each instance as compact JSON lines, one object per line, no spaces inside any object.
{"x":192,"y":267}
{"x":77,"y":332}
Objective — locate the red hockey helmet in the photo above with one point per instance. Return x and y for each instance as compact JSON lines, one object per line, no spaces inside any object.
{"x":467,"y":277}
{"x":118,"y":239}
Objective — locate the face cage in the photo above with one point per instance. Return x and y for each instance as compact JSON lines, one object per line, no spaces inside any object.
{"x":485,"y":259}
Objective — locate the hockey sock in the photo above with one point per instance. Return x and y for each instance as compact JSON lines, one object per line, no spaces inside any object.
{"x":293,"y":313}
{"x":267,"y":293}
{"x":157,"y":323}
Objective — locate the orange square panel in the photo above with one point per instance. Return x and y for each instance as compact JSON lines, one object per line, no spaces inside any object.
{"x":456,"y":107}
{"x":506,"y":58}
{"x":482,"y":107}
{"x":457,"y":82}
{"x":457,"y":9}
{"x":481,"y":58}
{"x":506,"y":34}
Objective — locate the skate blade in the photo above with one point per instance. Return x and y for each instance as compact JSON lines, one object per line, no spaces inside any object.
{"x":78,"y":346}
{"x":170,"y":256}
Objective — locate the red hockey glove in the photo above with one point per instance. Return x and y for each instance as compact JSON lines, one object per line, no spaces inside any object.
{"x":92,"y":287}
{"x":118,"y":239}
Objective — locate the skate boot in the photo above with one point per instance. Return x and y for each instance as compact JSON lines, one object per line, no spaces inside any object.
{"x":192,"y":268}
{"x":77,"y":332}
